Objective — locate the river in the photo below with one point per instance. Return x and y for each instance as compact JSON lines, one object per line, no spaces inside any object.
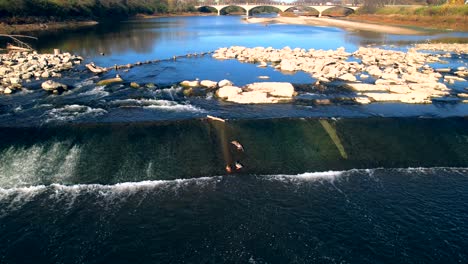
{"x":122,"y":175}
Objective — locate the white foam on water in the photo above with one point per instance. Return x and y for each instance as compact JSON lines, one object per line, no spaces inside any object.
{"x":20,"y":167}
{"x":13,"y":198}
{"x":87,"y":82}
{"x":169,"y":92}
{"x":98,"y":92}
{"x":72,"y":112}
{"x":17,"y":197}
{"x":157,"y":104}
{"x":308,"y":176}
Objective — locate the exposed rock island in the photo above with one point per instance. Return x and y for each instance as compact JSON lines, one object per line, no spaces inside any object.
{"x":375,"y":74}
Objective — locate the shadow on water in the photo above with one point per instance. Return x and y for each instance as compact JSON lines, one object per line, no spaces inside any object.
{"x":114,"y":153}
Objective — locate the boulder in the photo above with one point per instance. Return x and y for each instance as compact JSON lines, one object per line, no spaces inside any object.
{"x":134,"y":85}
{"x":51,"y":86}
{"x":7,"y":91}
{"x":288,"y":65}
{"x":150,"y":85}
{"x":195,"y":83}
{"x":362,"y":100}
{"x":224,"y":82}
{"x":277,"y":89}
{"x":454,"y":78}
{"x":228,"y":91}
{"x":252,"y":97}
{"x":15,"y":80}
{"x":45,"y":74}
{"x":348,"y":77}
{"x":208,"y":84}
{"x":110,"y":81}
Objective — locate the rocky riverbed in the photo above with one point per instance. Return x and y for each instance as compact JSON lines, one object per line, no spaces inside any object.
{"x":17,"y":68}
{"x":397,"y":76}
{"x":369,"y":74}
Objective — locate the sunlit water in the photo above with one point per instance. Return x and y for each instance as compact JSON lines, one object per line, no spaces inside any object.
{"x":121,"y":175}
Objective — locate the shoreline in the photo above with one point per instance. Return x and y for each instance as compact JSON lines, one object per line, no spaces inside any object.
{"x":32,"y":27}
{"x":345,"y":24}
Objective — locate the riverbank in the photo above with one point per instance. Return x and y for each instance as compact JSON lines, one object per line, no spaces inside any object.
{"x":183,"y":14}
{"x":345,"y":24}
{"x":455,"y":23}
{"x":31,"y":27}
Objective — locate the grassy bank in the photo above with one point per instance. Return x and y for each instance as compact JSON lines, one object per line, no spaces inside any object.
{"x":436,"y":17}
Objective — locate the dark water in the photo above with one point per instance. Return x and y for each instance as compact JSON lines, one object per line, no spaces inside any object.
{"x":122,"y":175}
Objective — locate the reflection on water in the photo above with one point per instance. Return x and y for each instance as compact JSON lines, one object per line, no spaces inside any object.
{"x":159,"y":38}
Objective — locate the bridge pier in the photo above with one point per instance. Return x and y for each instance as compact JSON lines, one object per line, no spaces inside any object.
{"x":219,"y":12}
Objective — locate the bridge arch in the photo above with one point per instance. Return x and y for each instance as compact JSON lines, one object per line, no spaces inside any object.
{"x":338,"y":6}
{"x":247,"y":7}
{"x":266,"y":5}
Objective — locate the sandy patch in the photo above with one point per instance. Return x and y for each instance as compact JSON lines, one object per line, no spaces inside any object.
{"x":324,"y":21}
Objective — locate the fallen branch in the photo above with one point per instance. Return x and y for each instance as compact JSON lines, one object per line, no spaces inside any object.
{"x":20,"y":45}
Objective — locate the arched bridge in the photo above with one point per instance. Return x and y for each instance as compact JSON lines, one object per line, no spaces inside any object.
{"x":247,"y":7}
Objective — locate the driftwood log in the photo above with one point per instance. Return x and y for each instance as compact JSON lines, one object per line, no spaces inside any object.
{"x":18,"y":44}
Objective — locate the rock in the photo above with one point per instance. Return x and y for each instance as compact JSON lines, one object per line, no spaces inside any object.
{"x":26,"y":76}
{"x":15,"y":80}
{"x":45,"y":74}
{"x":264,"y":77}
{"x":387,"y":82}
{"x":208,"y":84}
{"x":348,"y":77}
{"x":253,"y":97}
{"x":223,"y":83}
{"x":262,"y":64}
{"x":188,"y":92}
{"x":418,"y":78}
{"x":110,"y":81}
{"x":363,"y":76}
{"x":362,"y":100}
{"x":462,"y":73}
{"x":288,"y":65}
{"x":53,"y":86}
{"x":195,"y":83}
{"x":56,"y":75}
{"x":364,"y":87}
{"x":134,"y":85}
{"x":322,"y":101}
{"x":7,"y":91}
{"x":228,"y":91}
{"x":443,"y":70}
{"x":277,"y":89}
{"x":150,"y":85}
{"x":463,"y":95}
{"x":454,"y":78}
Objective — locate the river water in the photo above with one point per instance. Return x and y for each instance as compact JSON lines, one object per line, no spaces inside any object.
{"x":121,"y":175}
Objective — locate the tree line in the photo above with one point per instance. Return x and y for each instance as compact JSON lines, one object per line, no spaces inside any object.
{"x":90,"y":9}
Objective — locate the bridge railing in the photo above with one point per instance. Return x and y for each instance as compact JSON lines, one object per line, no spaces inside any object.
{"x":302,"y":3}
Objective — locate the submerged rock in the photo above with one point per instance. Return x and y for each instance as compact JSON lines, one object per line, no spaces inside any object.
{"x":117,"y":79}
{"x":52,"y":86}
